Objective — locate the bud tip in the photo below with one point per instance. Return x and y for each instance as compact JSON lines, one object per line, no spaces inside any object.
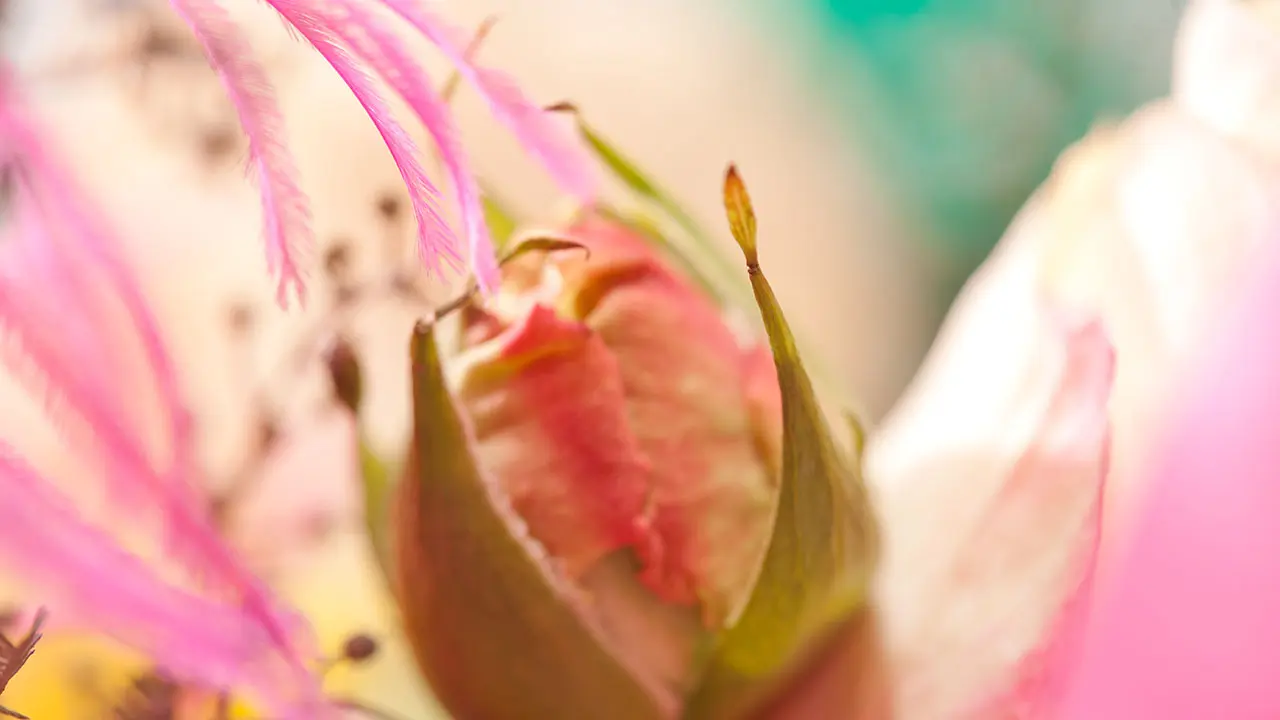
{"x":742,"y":218}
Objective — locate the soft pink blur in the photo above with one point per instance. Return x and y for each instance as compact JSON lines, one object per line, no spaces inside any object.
{"x":1190,"y":628}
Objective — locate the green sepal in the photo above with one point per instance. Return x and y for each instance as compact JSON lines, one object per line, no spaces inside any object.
{"x":375,"y":480}
{"x":690,"y":246}
{"x":817,"y":570}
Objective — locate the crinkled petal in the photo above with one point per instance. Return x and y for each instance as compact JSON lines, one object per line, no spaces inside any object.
{"x":546,"y":401}
{"x":495,"y":629}
{"x":986,"y":540}
{"x":713,"y":492}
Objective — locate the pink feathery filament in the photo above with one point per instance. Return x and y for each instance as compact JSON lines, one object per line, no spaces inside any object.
{"x":436,"y":241}
{"x":73,"y":227}
{"x":285,"y":212}
{"x":380,"y":48}
{"x":554,"y":145}
{"x":87,"y":577}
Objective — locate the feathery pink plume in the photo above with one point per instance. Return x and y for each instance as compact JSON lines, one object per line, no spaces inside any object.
{"x":1189,"y":628}
{"x":435,"y":238}
{"x":70,"y":239}
{"x":554,"y":144}
{"x":88,"y":578}
{"x":80,"y":220}
{"x":380,"y":48}
{"x":285,"y":213}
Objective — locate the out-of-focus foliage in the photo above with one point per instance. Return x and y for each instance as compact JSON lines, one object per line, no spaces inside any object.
{"x":964,"y":104}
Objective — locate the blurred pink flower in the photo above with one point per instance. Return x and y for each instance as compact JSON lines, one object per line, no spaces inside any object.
{"x":77,"y":325}
{"x":1189,"y":628}
{"x":1148,"y":224}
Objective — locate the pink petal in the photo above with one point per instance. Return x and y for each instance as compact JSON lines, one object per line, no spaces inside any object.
{"x":88,"y":579}
{"x":1037,"y":683}
{"x":285,"y":213}
{"x":383,"y":50}
{"x":551,"y":142}
{"x":435,"y":239}
{"x":1189,"y":628}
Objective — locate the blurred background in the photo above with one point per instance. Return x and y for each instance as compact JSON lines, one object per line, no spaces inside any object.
{"x":888,"y":142}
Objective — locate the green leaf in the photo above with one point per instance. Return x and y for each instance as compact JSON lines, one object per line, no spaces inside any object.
{"x":818,"y":567}
{"x":492,"y":628}
{"x":693,"y":246}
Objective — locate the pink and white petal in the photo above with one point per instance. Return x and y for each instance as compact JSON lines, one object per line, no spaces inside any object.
{"x":1148,"y":223}
{"x":1188,"y":628}
{"x":984,"y":542}
{"x":1226,"y":67}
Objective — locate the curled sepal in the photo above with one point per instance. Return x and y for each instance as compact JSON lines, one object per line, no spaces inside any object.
{"x":817,"y":570}
{"x":542,"y":243}
{"x":495,"y":631}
